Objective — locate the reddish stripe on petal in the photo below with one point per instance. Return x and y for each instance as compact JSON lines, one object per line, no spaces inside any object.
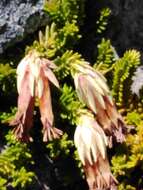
{"x":45,"y":102}
{"x":48,"y":63}
{"x":52,"y":78}
{"x":49,"y":132}
{"x":99,"y":175}
{"x":24,"y":116}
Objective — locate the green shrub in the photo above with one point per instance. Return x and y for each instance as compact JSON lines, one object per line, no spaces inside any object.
{"x":57,"y":43}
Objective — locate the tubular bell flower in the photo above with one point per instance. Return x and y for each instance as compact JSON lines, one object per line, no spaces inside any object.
{"x":91,"y":142}
{"x":33,"y":76}
{"x":93,"y":91}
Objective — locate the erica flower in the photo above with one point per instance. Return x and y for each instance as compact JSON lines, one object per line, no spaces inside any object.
{"x":33,"y":77}
{"x":93,"y":91}
{"x":91,"y":142}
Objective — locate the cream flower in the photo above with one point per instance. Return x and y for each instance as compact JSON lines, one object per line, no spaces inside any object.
{"x":33,"y":77}
{"x":91,"y":143}
{"x":93,"y":91}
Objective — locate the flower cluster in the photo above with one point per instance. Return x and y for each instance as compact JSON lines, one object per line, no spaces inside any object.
{"x":91,"y":143}
{"x":94,"y":133}
{"x":33,"y":77}
{"x":97,"y":126}
{"x":93,"y":91}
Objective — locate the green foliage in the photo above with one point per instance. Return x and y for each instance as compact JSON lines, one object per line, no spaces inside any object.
{"x":128,"y":160}
{"x":61,"y":147}
{"x":133,"y":118}
{"x":127,"y":187}
{"x":64,"y":31}
{"x":54,"y":41}
{"x":7,"y":78}
{"x":64,"y":10}
{"x":5,"y":116}
{"x":123,"y":70}
{"x":48,"y":42}
{"x":68,"y":35}
{"x":103,"y":20}
{"x":6,"y":70}
{"x":106,"y":57}
{"x":64,"y":63}
{"x":69,"y":104}
{"x":128,"y":157}
{"x":78,"y":162}
{"x":3,"y":183}
{"x":68,"y":15}
{"x":14,"y":160}
{"x":57,"y":43}
{"x":119,"y":164}
{"x":22,"y":178}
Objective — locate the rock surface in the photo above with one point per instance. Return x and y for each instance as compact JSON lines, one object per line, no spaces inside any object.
{"x":19,"y":18}
{"x":126,"y":26}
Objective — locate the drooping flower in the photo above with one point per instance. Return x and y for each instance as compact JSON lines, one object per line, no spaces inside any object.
{"x":93,"y":91}
{"x":33,"y":77}
{"x":91,"y":143}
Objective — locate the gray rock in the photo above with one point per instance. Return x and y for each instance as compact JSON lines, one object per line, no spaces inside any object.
{"x":19,"y":18}
{"x":126,"y":27}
